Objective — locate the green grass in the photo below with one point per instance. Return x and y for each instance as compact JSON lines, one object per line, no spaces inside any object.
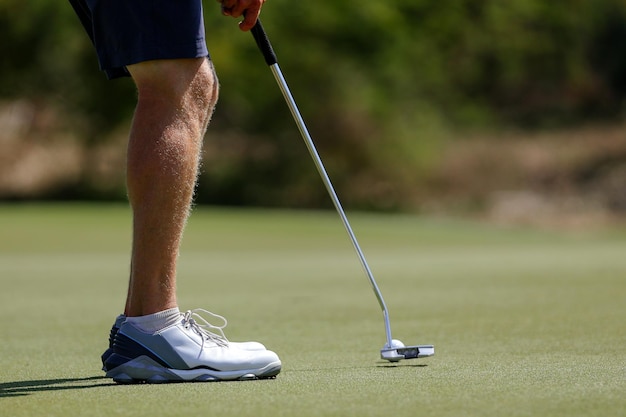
{"x":525,"y":322}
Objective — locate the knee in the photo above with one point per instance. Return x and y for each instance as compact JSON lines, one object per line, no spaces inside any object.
{"x":189,"y":85}
{"x":205,"y":91}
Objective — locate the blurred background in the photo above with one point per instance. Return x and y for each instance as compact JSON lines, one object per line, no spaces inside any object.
{"x":511,"y":111}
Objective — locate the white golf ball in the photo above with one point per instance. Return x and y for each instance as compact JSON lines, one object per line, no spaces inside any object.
{"x":395,"y":343}
{"x":392,"y":355}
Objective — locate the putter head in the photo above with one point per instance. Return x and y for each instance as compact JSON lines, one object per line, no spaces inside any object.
{"x":395,"y":354}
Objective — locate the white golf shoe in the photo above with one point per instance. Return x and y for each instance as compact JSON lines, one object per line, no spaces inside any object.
{"x":186,"y":351}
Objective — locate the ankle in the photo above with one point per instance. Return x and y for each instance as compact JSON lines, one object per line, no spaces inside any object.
{"x":152,"y":323}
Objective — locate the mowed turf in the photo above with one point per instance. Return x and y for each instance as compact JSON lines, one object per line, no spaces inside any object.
{"x":524,"y":322}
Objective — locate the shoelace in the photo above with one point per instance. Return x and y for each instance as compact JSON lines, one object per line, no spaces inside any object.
{"x":194,"y":321}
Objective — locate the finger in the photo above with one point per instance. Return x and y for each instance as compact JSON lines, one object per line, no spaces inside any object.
{"x":227,"y":6}
{"x":239,"y":7}
{"x":250,"y":17}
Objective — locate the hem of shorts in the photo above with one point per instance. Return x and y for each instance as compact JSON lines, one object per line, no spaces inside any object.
{"x":119,"y":69}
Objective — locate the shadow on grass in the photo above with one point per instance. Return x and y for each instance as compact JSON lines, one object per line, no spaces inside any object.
{"x":379,"y":365}
{"x":21,"y":388}
{"x":395,"y":365}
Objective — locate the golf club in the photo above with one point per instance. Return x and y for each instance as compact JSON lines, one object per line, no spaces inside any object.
{"x":393,"y":350}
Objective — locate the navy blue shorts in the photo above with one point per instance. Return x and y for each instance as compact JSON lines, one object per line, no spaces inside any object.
{"x":126,"y":32}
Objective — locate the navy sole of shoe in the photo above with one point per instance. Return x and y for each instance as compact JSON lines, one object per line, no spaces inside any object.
{"x":144,"y":370}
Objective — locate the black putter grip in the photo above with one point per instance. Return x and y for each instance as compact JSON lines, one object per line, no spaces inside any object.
{"x":263,"y":43}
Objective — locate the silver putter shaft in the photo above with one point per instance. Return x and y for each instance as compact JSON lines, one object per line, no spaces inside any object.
{"x":390,"y":351}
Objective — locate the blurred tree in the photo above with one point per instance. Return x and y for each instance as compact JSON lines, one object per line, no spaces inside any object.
{"x":47,"y":58}
{"x":379,"y":84}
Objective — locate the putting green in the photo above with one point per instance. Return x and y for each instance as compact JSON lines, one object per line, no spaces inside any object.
{"x":524,"y":322}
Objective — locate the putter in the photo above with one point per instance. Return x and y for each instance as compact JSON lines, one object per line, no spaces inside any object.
{"x":394,"y":350}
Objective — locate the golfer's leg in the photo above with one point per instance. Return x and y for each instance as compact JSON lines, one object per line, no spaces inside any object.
{"x":175,"y":101}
